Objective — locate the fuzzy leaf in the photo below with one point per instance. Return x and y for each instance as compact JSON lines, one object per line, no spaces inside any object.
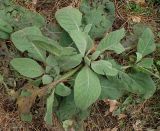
{"x":103,"y":67}
{"x":112,"y":41}
{"x":47,"y":79}
{"x":146,"y":43}
{"x":69,"y":18}
{"x":111,"y":88}
{"x":87,"y":88}
{"x":62,"y":90}
{"x":138,"y":83}
{"x":100,"y":14}
{"x":5,"y":27}
{"x":48,"y":115}
{"x":27,"y":67}
{"x":80,"y":40}
{"x":146,"y":63}
{"x":69,"y":62}
{"x":23,"y":43}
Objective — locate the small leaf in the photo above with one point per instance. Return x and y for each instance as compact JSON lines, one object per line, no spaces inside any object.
{"x":62,"y":90}
{"x":139,"y":56}
{"x":111,"y":41}
{"x":146,"y":63}
{"x":87,"y":28}
{"x":146,"y":43}
{"x":104,"y":68}
{"x":87,"y":88}
{"x":80,"y":40}
{"x":25,"y":93}
{"x":47,"y":79}
{"x":100,"y":14}
{"x":27,"y":67}
{"x":49,"y":112}
{"x":69,"y":18}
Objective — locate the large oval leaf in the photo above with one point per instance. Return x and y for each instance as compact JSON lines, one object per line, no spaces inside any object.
{"x":23,"y":43}
{"x":69,"y":18}
{"x":20,"y":39}
{"x":27,"y":67}
{"x":87,"y":88}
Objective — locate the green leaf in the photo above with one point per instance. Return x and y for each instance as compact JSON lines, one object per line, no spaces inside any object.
{"x":20,"y":39}
{"x":80,"y":40}
{"x":69,"y":18}
{"x":111,"y":88}
{"x":103,"y":67}
{"x":5,"y":27}
{"x":69,"y":62}
{"x":100,"y":14}
{"x":25,"y":93}
{"x":112,"y":42}
{"x":67,"y":108}
{"x":65,"y":39}
{"x":95,"y":55}
{"x":147,"y":84}
{"x":139,"y":56}
{"x":19,"y":17}
{"x":87,"y":28}
{"x":47,"y":79}
{"x":49,"y":115}
{"x":27,"y":67}
{"x":3,"y":35}
{"x":47,"y":44}
{"x":23,"y":43}
{"x":146,"y":43}
{"x":158,"y":62}
{"x":138,"y":83}
{"x":87,"y":88}
{"x":146,"y":63}
{"x":52,"y":64}
{"x":62,"y":90}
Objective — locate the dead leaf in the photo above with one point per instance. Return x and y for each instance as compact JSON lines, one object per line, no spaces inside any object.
{"x":138,"y":125}
{"x":114,"y":129}
{"x":34,"y":2}
{"x":107,"y":129}
{"x":142,"y":2}
{"x":25,"y":102}
{"x":112,"y":103}
{"x":136,"y":19}
{"x":121,"y":116}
